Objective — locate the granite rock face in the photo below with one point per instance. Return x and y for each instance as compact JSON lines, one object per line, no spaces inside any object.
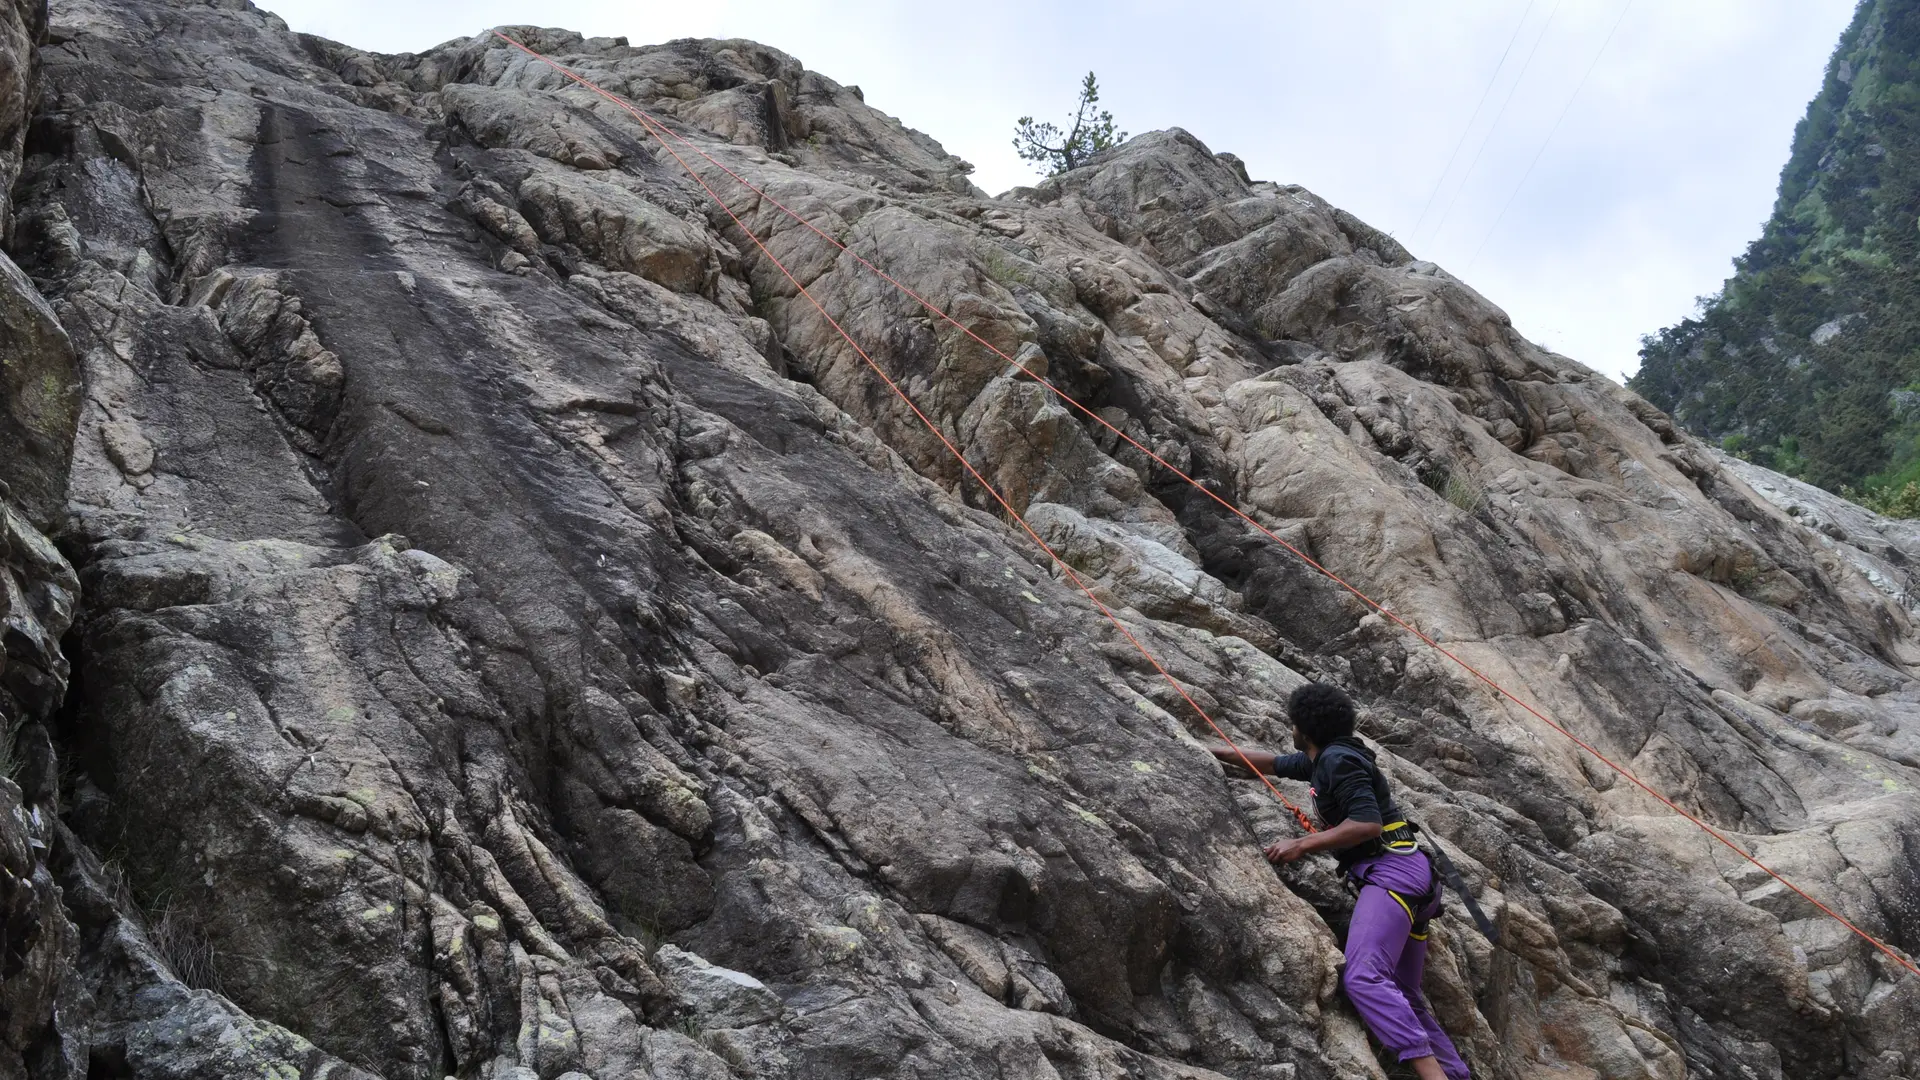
{"x":39,"y":407}
{"x":515,"y":636}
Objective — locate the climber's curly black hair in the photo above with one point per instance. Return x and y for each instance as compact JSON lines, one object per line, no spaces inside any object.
{"x":1322,"y":713}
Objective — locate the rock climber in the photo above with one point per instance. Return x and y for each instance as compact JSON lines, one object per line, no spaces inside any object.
{"x":1398,"y":887}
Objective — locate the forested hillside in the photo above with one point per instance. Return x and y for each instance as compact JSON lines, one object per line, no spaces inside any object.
{"x":1808,"y":361}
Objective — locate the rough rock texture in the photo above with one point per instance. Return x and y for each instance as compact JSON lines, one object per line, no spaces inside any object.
{"x":519,"y":639}
{"x":39,"y":406}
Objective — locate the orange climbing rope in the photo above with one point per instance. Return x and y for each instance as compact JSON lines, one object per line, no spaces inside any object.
{"x":662,"y":134}
{"x":991,"y":490}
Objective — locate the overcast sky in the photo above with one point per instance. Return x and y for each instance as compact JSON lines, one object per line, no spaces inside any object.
{"x":1660,"y":169}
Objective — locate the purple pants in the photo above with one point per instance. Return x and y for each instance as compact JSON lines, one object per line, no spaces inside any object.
{"x":1385,"y":963}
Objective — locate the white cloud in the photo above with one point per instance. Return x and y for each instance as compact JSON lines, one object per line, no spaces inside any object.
{"x":1663,"y":170}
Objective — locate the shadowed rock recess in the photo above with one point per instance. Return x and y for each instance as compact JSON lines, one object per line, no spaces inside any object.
{"x":498,"y":629}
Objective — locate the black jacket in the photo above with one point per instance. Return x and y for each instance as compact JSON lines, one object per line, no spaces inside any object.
{"x":1347,"y":785}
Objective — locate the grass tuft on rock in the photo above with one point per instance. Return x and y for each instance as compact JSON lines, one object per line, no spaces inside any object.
{"x":1457,"y":488}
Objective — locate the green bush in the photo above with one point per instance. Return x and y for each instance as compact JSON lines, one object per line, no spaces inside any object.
{"x":1901,"y":502}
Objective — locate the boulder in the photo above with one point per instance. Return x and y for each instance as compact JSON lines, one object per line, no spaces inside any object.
{"x":720,"y":997}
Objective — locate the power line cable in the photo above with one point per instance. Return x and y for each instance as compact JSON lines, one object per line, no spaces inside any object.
{"x":1564,"y":110}
{"x":1440,"y":181}
{"x":1511,"y":90}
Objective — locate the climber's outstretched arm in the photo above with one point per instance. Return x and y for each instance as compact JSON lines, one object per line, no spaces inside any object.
{"x":1289,"y":766}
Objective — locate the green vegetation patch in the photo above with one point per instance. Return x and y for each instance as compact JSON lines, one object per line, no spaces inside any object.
{"x":1797,"y":362}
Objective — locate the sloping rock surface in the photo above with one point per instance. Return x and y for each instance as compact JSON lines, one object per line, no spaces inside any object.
{"x":517,"y":637}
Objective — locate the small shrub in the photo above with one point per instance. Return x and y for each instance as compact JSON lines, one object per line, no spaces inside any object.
{"x":1465,"y":494}
{"x":1900,"y":502}
{"x":113,"y":872}
{"x":1457,"y":488}
{"x":181,"y":942}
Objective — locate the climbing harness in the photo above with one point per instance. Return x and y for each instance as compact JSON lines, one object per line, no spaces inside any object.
{"x":1399,"y":837}
{"x":666,"y":137}
{"x":1402,"y":844}
{"x":1407,"y":842}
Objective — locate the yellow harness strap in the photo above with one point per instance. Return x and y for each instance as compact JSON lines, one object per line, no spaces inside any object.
{"x":1402,"y":901}
{"x":1401,"y":846}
